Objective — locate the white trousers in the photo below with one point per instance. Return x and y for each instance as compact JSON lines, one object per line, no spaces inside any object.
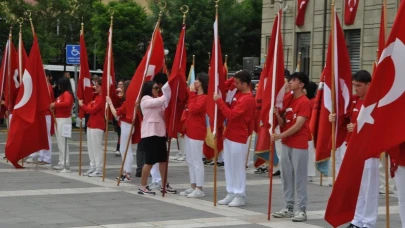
{"x":367,"y":202}
{"x":339,"y":155}
{"x":125,"y":134}
{"x":400,"y":181}
{"x":182,"y":149}
{"x":194,"y":151}
{"x":221,"y":157}
{"x":95,"y":148}
{"x":311,"y":159}
{"x":45,"y":155}
{"x":155,"y":173}
{"x":61,"y":140}
{"x":382,"y":176}
{"x":235,"y":170}
{"x":279,"y":149}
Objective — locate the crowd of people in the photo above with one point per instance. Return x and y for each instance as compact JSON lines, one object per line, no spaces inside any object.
{"x":293,"y":139}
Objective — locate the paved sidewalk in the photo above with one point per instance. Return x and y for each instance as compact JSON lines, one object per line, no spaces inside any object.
{"x":39,"y":197}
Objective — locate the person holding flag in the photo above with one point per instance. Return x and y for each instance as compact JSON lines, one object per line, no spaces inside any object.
{"x":95,"y":129}
{"x":367,"y":203}
{"x":239,"y":127}
{"x":294,"y":161}
{"x":194,"y":137}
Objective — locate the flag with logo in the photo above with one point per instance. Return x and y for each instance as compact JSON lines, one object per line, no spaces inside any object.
{"x":351,"y":11}
{"x":302,"y":6}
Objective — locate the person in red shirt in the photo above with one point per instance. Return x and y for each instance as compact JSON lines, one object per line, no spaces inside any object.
{"x":125,"y":126}
{"x":194,"y":137}
{"x":44,"y":157}
{"x":310,"y":92}
{"x":397,"y":155}
{"x":239,"y":127}
{"x":95,"y":130}
{"x":367,"y":202}
{"x":119,"y":99}
{"x":63,"y":108}
{"x":294,"y":122}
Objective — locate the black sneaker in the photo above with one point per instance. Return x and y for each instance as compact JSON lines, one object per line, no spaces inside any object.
{"x":125,"y":178}
{"x":353,"y":226}
{"x":259,"y":170}
{"x":169,"y":189}
{"x":276,"y":173}
{"x":138,"y":174}
{"x":220,"y":164}
{"x":207,"y":162}
{"x":145,"y":191}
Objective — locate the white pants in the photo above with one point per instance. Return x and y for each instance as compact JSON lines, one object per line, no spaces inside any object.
{"x":9,"y":121}
{"x":125,"y":134}
{"x":400,"y":181}
{"x":182,"y":145}
{"x":221,"y":157}
{"x":339,"y":155}
{"x":45,"y":155}
{"x":61,"y":140}
{"x":235,"y":170}
{"x":95,"y":148}
{"x":155,"y":173}
{"x":311,"y":159}
{"x":382,"y":176}
{"x":194,"y":151}
{"x":367,"y":202}
{"x":279,"y":149}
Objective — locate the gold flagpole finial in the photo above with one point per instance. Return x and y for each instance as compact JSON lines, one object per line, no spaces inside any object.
{"x":333,"y":2}
{"x":184,"y":9}
{"x":376,"y":55}
{"x":193,"y":60}
{"x":226,"y":59}
{"x":111,"y":11}
{"x":20,"y":21}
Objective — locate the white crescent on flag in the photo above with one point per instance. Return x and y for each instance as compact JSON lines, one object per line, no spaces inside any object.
{"x":27,"y":83}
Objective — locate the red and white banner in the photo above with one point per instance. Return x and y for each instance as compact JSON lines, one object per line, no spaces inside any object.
{"x":302,"y":6}
{"x":84,"y":86}
{"x":351,"y":11}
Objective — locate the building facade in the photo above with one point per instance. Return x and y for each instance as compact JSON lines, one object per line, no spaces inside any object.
{"x":312,"y":38}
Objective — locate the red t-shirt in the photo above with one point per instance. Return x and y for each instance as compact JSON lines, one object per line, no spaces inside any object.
{"x":240,"y":117}
{"x":96,"y":110}
{"x":196,"y":128}
{"x":50,"y":89}
{"x":353,"y":115}
{"x":63,"y":105}
{"x":122,"y":113}
{"x":300,"y":106}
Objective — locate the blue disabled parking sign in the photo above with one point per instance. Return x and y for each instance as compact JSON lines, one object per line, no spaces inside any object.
{"x":73,"y":54}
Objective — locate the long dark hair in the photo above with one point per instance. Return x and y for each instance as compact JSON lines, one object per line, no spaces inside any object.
{"x":203,"y":78}
{"x":126,"y":85}
{"x":147,"y":89}
{"x":64,"y":85}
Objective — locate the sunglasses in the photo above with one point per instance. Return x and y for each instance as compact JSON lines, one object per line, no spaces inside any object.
{"x":156,"y":87}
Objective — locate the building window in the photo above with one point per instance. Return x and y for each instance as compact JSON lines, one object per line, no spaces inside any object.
{"x":353,"y":42}
{"x":303,"y":46}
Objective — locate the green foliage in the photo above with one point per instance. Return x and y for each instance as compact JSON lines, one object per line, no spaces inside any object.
{"x":239,"y":29}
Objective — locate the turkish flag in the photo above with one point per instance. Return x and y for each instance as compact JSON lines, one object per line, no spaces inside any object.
{"x":150,"y":65}
{"x":272,"y":92}
{"x":376,"y":130}
{"x":175,"y":90}
{"x":320,"y":125}
{"x":216,"y":84}
{"x":109,"y":84}
{"x":84,"y":87}
{"x":12,"y":82}
{"x":28,"y":125}
{"x":351,"y":11}
{"x":302,"y":6}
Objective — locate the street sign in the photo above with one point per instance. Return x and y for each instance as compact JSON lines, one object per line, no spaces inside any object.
{"x":72,"y":54}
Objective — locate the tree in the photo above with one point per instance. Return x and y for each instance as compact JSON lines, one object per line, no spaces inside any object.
{"x":239,"y":29}
{"x":129,"y":33}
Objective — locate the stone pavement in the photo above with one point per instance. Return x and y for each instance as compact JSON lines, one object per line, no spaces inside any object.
{"x":39,"y":197}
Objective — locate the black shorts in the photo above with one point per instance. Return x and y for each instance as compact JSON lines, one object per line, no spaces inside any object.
{"x":155,"y":149}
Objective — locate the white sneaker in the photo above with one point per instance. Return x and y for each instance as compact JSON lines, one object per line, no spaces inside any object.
{"x":182,"y":158}
{"x":197,"y":193}
{"x":154,"y":186}
{"x":29,"y":160}
{"x":284,"y":213}
{"x":238,"y":201}
{"x":227,"y":199}
{"x":58,"y":167}
{"x":186,"y":192}
{"x":90,"y":171}
{"x":299,"y":216}
{"x":96,"y":174}
{"x":117,"y":153}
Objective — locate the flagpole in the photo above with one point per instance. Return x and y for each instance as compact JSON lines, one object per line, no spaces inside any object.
{"x":20,"y":47}
{"x":139,"y":97}
{"x":81,"y":128}
{"x":107,"y":110}
{"x":333,"y":89}
{"x":28,"y":13}
{"x":216,"y":110}
{"x":8,"y":81}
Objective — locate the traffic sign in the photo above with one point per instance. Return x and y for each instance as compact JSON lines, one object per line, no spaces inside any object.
{"x":72,"y":54}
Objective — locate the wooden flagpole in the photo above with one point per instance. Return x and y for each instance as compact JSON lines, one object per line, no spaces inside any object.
{"x":333,"y":89}
{"x":9,"y":83}
{"x":139,"y":98}
{"x":107,"y":110}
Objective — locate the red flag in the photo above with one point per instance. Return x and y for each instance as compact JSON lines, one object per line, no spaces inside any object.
{"x":216,"y":84}
{"x":150,"y":65}
{"x":273,"y":91}
{"x":302,"y":6}
{"x":12,"y":82}
{"x":109,"y":84}
{"x":84,"y":88}
{"x":175,"y":89}
{"x":343,"y":94}
{"x":350,"y":11}
{"x":4,"y":69}
{"x":374,"y":132}
{"x":28,"y":125}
